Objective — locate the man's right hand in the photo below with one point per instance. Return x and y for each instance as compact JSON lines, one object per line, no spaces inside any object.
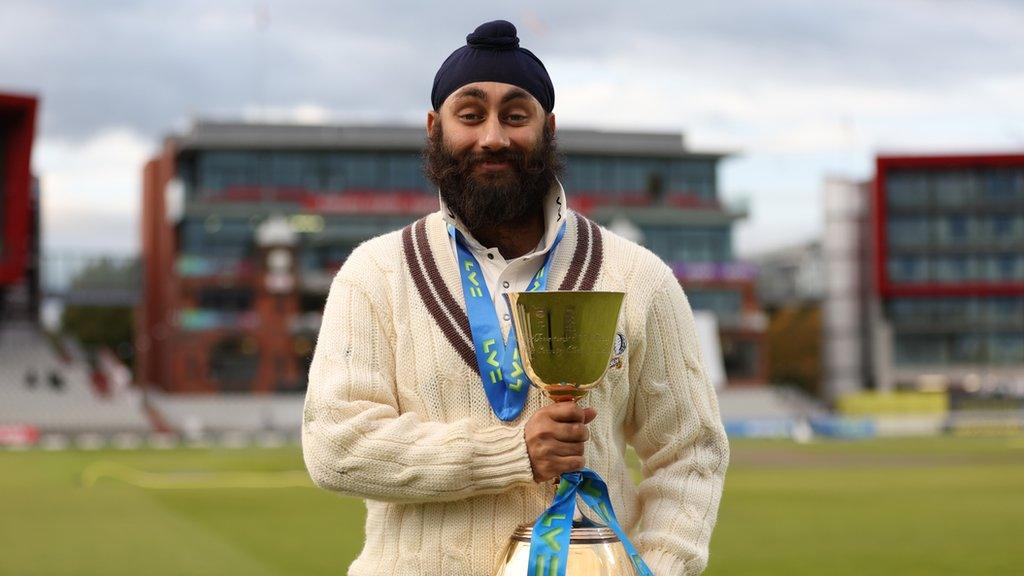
{"x":554,"y":439}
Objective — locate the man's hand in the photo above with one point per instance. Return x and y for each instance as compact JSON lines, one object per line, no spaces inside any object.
{"x":555,"y":437}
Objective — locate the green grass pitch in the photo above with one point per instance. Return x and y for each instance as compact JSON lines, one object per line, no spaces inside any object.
{"x":923,"y":506}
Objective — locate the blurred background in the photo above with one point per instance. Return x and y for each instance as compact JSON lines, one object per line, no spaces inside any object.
{"x":838,"y":187}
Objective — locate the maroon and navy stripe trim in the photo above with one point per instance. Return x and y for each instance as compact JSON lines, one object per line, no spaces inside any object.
{"x":584,"y":268}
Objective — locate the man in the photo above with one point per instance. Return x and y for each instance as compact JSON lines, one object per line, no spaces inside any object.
{"x":397,"y":411}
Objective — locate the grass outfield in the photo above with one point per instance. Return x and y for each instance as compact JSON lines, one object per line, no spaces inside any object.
{"x":932,"y":506}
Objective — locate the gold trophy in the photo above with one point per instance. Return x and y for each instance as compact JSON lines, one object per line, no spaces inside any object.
{"x":565,"y":342}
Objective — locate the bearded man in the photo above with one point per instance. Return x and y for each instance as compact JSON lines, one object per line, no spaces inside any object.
{"x":397,"y":410}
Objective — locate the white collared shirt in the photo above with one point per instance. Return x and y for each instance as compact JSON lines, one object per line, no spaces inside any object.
{"x":513,"y":275}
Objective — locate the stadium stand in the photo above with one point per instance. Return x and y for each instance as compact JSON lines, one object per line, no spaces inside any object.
{"x":42,"y":389}
{"x":767,"y":411}
{"x":196,"y":416}
{"x":765,"y":402}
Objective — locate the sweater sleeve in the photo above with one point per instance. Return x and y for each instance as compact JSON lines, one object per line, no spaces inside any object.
{"x":357,"y":441}
{"x":676,"y":429}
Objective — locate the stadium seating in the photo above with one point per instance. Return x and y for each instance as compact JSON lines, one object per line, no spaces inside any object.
{"x":764,"y":403}
{"x":196,"y":416}
{"x":40,"y":388}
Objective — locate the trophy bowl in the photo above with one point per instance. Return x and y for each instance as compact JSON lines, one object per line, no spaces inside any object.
{"x":565,"y":338}
{"x":593,"y":551}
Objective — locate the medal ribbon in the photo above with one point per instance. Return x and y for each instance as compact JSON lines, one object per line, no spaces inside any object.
{"x":501,"y":371}
{"x":549,"y":544}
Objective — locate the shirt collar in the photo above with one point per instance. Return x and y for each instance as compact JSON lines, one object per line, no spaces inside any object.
{"x":554,"y":215}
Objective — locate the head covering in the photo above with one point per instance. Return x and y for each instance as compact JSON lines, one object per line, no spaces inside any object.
{"x":492,"y":54}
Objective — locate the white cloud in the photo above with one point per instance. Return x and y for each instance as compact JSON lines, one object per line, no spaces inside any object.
{"x":799,"y":88}
{"x":90,"y":190}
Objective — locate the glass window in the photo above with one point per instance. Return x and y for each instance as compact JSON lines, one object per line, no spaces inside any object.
{"x":365,"y":172}
{"x":608,"y":173}
{"x":691,"y":178}
{"x":689,"y":244}
{"x":954,"y":269}
{"x":904,"y":311}
{"x":999,"y":185}
{"x":1004,"y":310}
{"x":724,"y":304}
{"x":920,"y":350}
{"x":999,"y":267}
{"x":1002,"y":227}
{"x":406,"y":173}
{"x":907,"y":232}
{"x":222,"y":169}
{"x":952,"y":188}
{"x":217,"y":236}
{"x":583,"y":176}
{"x":967,"y":349}
{"x":906,"y":189}
{"x":1006,"y":348}
{"x":336,"y":173}
{"x":225,"y":299}
{"x":908,"y":269}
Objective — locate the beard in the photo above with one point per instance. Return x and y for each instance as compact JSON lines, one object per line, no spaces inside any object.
{"x":483,"y":201}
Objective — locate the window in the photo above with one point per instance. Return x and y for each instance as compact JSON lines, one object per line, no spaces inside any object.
{"x":908,"y":269}
{"x":952,"y":188}
{"x":583,"y":176}
{"x":907,"y":232}
{"x":918,"y":350}
{"x":225,"y":299}
{"x":233,"y":363}
{"x":692,"y":178}
{"x":999,"y":186}
{"x":406,"y":173}
{"x":1006,"y":348}
{"x":954,"y":269}
{"x":724,"y":304}
{"x":217,"y":236}
{"x":689,"y":243}
{"x":907,"y":189}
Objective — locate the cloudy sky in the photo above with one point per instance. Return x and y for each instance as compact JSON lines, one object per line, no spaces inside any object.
{"x":798,"y":89}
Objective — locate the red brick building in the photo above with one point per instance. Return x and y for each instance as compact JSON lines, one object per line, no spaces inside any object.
{"x":244,"y":226}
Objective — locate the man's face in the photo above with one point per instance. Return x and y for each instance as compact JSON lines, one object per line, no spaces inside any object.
{"x":491,"y":151}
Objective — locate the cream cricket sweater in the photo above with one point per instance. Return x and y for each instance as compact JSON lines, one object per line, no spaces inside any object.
{"x":396,"y":413}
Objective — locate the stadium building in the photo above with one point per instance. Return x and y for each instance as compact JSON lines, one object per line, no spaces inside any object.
{"x":945,"y":267}
{"x":244,"y":226}
{"x":46,"y":384}
{"x":19,"y":238}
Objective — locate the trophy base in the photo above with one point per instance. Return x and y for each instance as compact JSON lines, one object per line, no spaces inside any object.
{"x":594,"y":550}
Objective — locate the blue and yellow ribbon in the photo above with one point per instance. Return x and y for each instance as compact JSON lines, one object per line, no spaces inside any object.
{"x":501,"y":370}
{"x":549,"y":544}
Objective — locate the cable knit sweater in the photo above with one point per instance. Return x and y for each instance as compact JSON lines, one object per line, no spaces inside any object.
{"x":396,"y":414}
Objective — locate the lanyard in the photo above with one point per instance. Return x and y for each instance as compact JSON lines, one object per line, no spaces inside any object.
{"x":549,"y":544}
{"x":504,"y":380}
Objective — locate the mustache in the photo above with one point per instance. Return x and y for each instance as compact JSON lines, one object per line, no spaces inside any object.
{"x":506,"y":155}
{"x":530,"y":164}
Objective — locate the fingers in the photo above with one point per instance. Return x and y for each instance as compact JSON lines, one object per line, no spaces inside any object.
{"x":569,"y":464}
{"x":565,"y":412}
{"x":566,"y":448}
{"x":544,"y":470}
{"x":575,"y":432}
{"x":590,"y":414}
